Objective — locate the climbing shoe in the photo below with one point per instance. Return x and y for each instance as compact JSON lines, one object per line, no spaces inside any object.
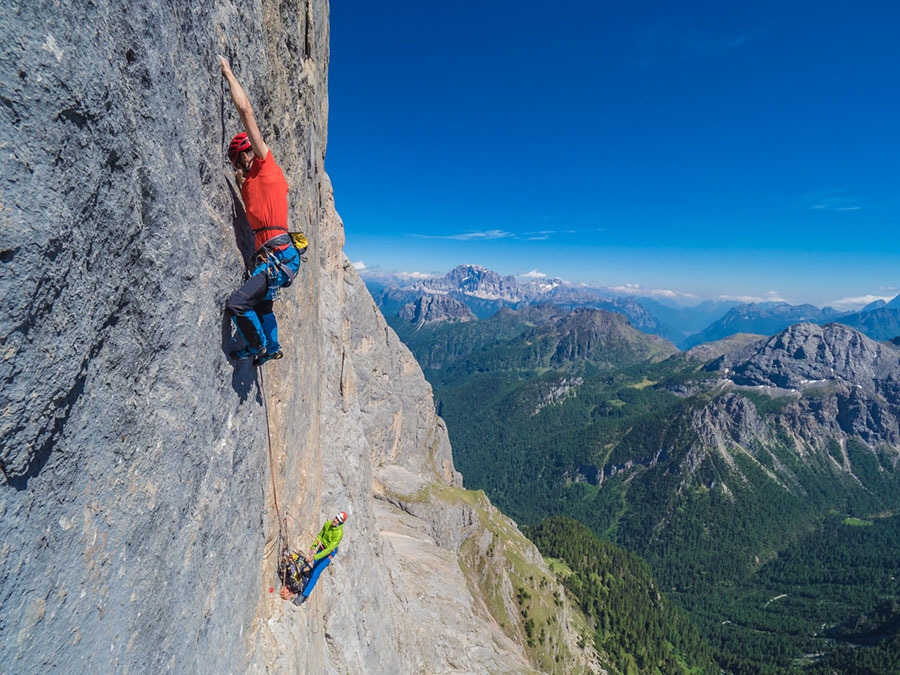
{"x":266,"y":356}
{"x":299,"y":600}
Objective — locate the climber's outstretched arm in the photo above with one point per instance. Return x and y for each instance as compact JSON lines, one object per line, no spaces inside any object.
{"x":245,"y":110}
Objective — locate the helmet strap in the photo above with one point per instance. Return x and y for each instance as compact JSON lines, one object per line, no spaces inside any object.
{"x":245,"y":166}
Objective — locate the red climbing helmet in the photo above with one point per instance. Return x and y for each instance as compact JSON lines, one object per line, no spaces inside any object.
{"x":238,"y":144}
{"x":341,"y":517}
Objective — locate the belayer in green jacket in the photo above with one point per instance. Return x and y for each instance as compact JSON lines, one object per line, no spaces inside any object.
{"x":320,"y":555}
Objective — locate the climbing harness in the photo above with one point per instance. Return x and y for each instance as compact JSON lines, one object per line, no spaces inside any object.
{"x":266,"y":254}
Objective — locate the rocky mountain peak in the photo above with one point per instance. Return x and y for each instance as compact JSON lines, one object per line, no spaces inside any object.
{"x":434,"y":309}
{"x":487,"y":292}
{"x":474,"y":281}
{"x":806,"y":354}
{"x":463,"y":275}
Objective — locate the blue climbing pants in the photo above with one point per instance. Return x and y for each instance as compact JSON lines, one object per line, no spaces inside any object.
{"x":251,"y":304}
{"x":318,"y":566}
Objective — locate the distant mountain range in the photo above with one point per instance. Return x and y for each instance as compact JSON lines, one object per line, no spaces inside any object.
{"x":484,"y":292}
{"x":761,"y":319}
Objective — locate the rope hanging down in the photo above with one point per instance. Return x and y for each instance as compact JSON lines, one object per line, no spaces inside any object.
{"x":262,"y":385}
{"x":282,"y":542}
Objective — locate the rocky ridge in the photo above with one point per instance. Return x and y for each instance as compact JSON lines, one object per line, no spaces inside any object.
{"x":828,"y":385}
{"x":794,"y":402}
{"x":483,"y":283}
{"x":435,"y":308}
{"x":806,"y":354}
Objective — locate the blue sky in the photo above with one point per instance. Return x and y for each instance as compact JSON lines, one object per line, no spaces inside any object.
{"x":691,"y":149}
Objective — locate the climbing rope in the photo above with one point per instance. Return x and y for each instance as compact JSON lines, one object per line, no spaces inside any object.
{"x":262,"y":386}
{"x":282,"y":542}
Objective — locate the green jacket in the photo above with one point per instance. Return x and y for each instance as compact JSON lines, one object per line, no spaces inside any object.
{"x":328,"y":539}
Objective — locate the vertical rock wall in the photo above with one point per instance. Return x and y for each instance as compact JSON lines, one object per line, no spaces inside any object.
{"x":140,"y":468}
{"x":136,"y":492}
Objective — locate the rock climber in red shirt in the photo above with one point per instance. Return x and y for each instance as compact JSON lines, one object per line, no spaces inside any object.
{"x":264,"y":192}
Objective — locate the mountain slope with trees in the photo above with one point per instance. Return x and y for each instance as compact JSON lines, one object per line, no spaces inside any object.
{"x":709,"y":470}
{"x":631,"y":619}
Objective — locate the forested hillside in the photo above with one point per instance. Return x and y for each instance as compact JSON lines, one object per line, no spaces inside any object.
{"x":631,"y":618}
{"x":770,"y":471}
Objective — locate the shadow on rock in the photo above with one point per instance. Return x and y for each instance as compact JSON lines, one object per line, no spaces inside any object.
{"x":243,"y":235}
{"x":244,"y":374}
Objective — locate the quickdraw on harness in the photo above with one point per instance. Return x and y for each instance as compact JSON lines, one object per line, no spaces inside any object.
{"x":267,"y":254}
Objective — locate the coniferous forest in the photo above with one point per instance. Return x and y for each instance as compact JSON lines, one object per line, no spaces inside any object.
{"x":632,"y":620}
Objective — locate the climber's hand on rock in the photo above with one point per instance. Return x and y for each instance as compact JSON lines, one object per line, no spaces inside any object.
{"x":226,"y":67}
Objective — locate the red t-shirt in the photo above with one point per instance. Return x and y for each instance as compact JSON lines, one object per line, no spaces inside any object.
{"x":264,"y":193}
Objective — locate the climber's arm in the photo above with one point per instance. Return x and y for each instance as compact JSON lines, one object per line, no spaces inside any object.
{"x":245,"y":110}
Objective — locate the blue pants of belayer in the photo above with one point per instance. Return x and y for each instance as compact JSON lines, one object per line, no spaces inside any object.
{"x":318,"y":566}
{"x":251,"y":304}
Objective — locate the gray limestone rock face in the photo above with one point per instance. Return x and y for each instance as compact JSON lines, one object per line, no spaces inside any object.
{"x":145,"y":476}
{"x":136,"y":490}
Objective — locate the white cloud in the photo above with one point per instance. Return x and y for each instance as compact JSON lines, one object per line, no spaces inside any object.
{"x":769,"y":296}
{"x":534,"y":274}
{"x":378,"y":274}
{"x":665,"y":293}
{"x":538,"y":236}
{"x":859,"y":302}
{"x":470,"y":236}
{"x":830,"y":200}
{"x":833,"y":207}
{"x":627,"y":288}
{"x":637,"y":289}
